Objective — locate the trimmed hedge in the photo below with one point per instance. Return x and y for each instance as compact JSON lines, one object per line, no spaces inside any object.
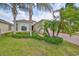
{"x":21,"y":35}
{"x":53,"y":40}
{"x":27,"y":35}
{"x":9,"y":34}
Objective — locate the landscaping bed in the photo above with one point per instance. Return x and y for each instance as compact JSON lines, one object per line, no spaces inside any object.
{"x":53,"y":40}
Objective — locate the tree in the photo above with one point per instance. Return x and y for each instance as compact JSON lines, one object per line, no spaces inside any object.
{"x":68,"y":20}
{"x":14,"y":12}
{"x":54,"y":19}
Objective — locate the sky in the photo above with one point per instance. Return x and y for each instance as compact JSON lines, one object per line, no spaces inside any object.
{"x":37,"y":15}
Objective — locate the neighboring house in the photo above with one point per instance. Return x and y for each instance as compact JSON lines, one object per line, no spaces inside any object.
{"x":5,"y":26}
{"x":39,"y":27}
{"x":24,"y":25}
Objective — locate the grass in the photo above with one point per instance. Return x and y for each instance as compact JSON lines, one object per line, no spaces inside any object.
{"x":30,"y":47}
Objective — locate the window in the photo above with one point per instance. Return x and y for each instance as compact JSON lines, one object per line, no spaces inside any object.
{"x":23,"y":28}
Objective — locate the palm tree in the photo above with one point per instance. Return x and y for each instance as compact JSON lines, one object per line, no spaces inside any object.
{"x":68,"y":16}
{"x":69,"y":5}
{"x":29,"y":7}
{"x":14,"y":12}
{"x":54,"y":19}
{"x":13,"y":9}
{"x":30,"y":17}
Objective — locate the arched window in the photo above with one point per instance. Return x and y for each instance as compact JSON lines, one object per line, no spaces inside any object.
{"x":23,"y":28}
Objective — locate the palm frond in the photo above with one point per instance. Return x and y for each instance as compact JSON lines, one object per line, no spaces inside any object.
{"x":25,"y":6}
{"x":44,"y":6}
{"x":5,"y":6}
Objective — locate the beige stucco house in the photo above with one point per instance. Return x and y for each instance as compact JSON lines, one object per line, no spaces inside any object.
{"x":38,"y":27}
{"x":21,"y":25}
{"x":5,"y":26}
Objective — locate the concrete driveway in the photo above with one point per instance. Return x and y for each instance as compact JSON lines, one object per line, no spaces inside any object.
{"x":73,"y":39}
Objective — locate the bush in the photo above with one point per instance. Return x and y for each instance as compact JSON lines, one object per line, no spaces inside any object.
{"x":9,"y":34}
{"x":21,"y":35}
{"x":27,"y":35}
{"x":36,"y":36}
{"x":53,"y":40}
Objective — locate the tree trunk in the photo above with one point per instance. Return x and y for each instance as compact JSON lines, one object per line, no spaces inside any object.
{"x":14,"y":12}
{"x":47,"y":32}
{"x":54,"y":23}
{"x":53,"y":33}
{"x":14,"y":25}
{"x":54,"y":19}
{"x":59,"y":27}
{"x":30,"y":18}
{"x":58,"y":32}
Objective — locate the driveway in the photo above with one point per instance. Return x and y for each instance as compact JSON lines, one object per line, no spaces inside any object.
{"x":73,"y":39}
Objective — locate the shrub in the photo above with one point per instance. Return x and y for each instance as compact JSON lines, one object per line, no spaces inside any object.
{"x":9,"y":34}
{"x":21,"y":35}
{"x":53,"y":40}
{"x":27,"y":35}
{"x":36,"y":36}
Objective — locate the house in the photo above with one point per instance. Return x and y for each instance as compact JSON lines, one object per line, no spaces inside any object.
{"x":21,"y":25}
{"x":39,"y":26}
{"x":5,"y":26}
{"x":24,"y":25}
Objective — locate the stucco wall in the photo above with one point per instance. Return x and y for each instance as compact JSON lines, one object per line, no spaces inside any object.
{"x":38,"y":27}
{"x":4,"y":28}
{"x":19,"y":24}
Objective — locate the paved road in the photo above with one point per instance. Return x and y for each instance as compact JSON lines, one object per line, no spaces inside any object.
{"x":73,"y":39}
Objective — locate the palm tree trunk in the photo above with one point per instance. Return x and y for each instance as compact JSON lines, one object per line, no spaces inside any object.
{"x":54,"y":23}
{"x":14,"y":12}
{"x":58,"y":31}
{"x":30,"y":18}
{"x":14,"y":25}
{"x":59,"y":27}
{"x":47,"y":32}
{"x":53,"y":33}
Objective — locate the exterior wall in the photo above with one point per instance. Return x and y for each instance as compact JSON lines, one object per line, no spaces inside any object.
{"x":5,"y":28}
{"x":19,"y":24}
{"x":39,"y":27}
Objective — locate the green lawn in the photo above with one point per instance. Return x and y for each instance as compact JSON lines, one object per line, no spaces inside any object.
{"x":11,"y":46}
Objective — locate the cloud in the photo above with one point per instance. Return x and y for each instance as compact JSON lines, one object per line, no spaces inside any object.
{"x":6,"y":16}
{"x":21,"y":15}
